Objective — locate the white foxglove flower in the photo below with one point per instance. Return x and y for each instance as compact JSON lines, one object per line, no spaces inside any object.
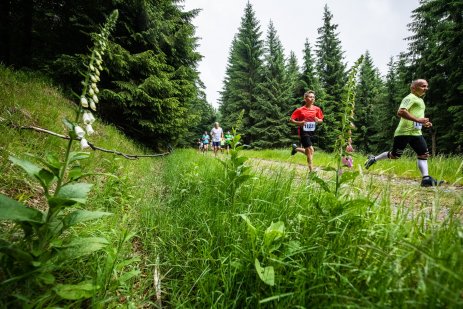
{"x":79,"y":131}
{"x":84,"y":144}
{"x":92,"y":68}
{"x":97,"y":72}
{"x":89,"y":129}
{"x":98,"y":62}
{"x":84,"y":102}
{"x":100,"y":68}
{"x":96,"y":90}
{"x":95,"y":98}
{"x":93,"y":78}
{"x":94,"y":86}
{"x":92,"y":105}
{"x":97,"y":54}
{"x":91,"y":92}
{"x":87,"y":117}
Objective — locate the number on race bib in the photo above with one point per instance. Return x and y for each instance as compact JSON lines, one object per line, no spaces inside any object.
{"x":309,"y":126}
{"x":417,"y":125}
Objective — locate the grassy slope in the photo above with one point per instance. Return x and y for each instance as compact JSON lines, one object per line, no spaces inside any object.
{"x":27,"y":100}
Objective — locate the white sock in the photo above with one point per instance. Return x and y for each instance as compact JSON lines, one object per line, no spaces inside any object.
{"x":382,"y":156}
{"x":423,"y":167}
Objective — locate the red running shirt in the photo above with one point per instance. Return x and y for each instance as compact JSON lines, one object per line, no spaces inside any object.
{"x":307,"y":114}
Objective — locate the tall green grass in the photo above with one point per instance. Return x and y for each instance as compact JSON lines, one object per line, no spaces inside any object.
{"x":351,"y":251}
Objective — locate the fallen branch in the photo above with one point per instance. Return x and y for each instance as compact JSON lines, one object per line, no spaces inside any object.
{"x":127,"y":156}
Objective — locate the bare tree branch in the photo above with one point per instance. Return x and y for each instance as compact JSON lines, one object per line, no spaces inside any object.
{"x":94,"y":147}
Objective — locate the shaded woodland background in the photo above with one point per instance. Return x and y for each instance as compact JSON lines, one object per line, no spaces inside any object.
{"x":151,"y":89}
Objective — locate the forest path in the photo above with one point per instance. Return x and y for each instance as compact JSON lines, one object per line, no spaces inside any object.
{"x":404,"y":192}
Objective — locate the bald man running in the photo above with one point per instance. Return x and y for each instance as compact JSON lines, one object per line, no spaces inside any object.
{"x":408,"y":132}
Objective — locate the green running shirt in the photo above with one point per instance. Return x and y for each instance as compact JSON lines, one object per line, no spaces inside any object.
{"x":416,"y":107}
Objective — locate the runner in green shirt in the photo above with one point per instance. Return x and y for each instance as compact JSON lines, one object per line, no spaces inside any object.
{"x":228,"y":140}
{"x":408,"y":132}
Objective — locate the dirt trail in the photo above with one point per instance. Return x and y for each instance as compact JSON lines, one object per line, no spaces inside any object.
{"x":406,"y":192}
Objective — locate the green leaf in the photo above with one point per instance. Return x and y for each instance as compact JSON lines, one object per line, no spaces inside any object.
{"x":75,"y":192}
{"x":321,"y":182}
{"x":348,"y":176}
{"x":11,"y":209}
{"x":266,"y":274}
{"x":17,"y":254}
{"x":273,"y":233}
{"x":251,"y":229}
{"x":46,"y":278}
{"x":75,"y":173}
{"x":82,"y":290}
{"x":68,"y":124}
{"x":82,"y":246}
{"x":45,"y":177}
{"x":80,"y":216}
{"x":74,"y":156}
{"x":128,"y":275}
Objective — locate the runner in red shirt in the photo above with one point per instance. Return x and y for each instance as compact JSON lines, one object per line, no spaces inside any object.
{"x":306,"y":118}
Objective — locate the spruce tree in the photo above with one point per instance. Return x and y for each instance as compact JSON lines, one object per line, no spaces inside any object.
{"x":270,"y":114}
{"x":369,"y":95}
{"x":435,"y":50}
{"x":331,"y":71}
{"x":243,"y":75}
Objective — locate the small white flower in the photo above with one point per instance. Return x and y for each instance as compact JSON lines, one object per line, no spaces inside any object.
{"x":89,"y":129}
{"x":84,"y":144}
{"x":97,"y":72}
{"x":87,"y":117}
{"x":96,"y":90}
{"x":79,"y":131}
{"x":91,"y":92}
{"x":92,"y":67}
{"x":97,"y":54}
{"x":94,"y":86}
{"x":84,"y":102}
{"x":100,"y":67}
{"x":92,"y":105}
{"x":95,"y":98}
{"x":93,"y":78}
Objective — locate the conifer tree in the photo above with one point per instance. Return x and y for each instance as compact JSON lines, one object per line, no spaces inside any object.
{"x":243,"y":74}
{"x":435,"y":50}
{"x":270,"y":114}
{"x":369,"y":95}
{"x":331,"y":71}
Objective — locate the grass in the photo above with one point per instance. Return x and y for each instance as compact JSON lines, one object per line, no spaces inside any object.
{"x":365,"y":247}
{"x":449,"y":168}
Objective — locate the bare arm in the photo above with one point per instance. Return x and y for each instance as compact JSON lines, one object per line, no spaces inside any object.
{"x":404,"y":113}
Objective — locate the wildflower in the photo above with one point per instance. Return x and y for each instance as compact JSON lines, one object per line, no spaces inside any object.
{"x":79,"y":131}
{"x":95,"y":98}
{"x":92,"y":105}
{"x":92,"y":68}
{"x":84,"y":144}
{"x":84,"y":102}
{"x":89,"y":129}
{"x":88,"y":118}
{"x":93,"y":78}
{"x":91,"y":92}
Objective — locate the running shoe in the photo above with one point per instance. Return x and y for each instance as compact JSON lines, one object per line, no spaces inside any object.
{"x":428,"y":181}
{"x":371,"y":160}
{"x":293,"y":151}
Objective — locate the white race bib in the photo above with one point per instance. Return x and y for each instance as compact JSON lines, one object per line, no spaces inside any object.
{"x":417,"y":125}
{"x":309,"y":127}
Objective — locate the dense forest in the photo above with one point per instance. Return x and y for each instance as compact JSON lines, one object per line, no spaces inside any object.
{"x":152,"y":91}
